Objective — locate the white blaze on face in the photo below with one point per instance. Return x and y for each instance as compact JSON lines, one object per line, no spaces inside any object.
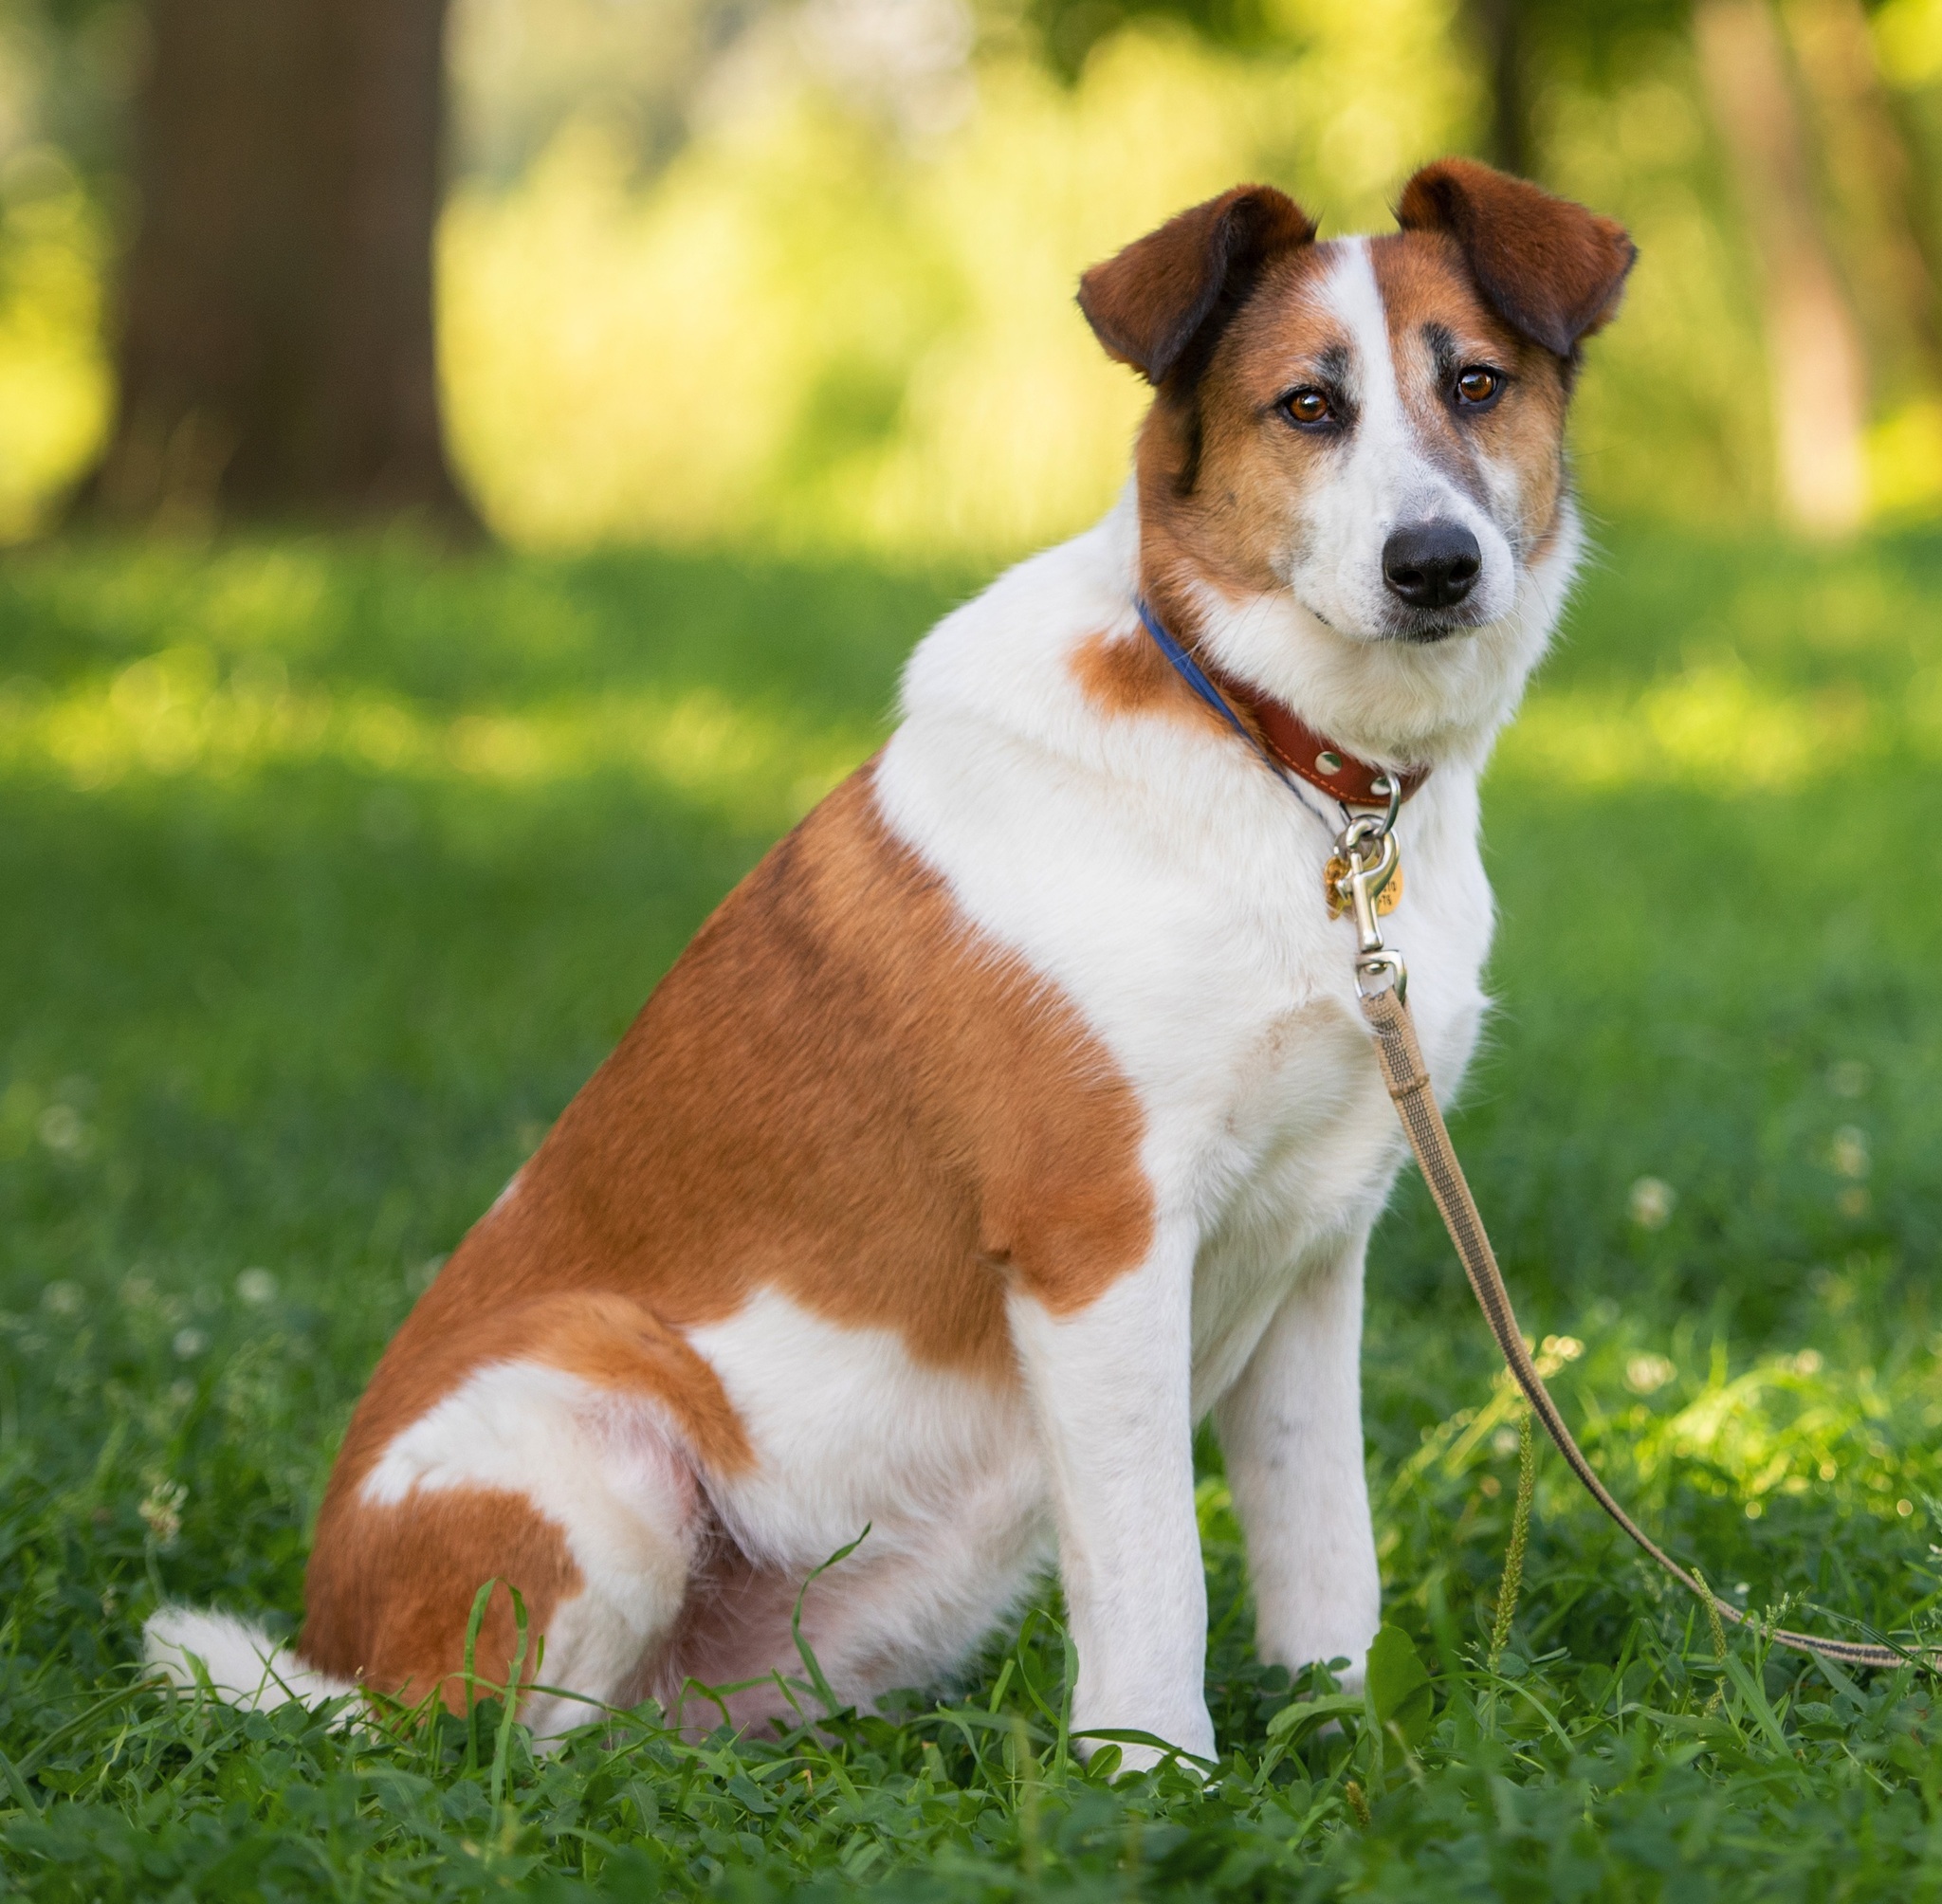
{"x":1383,"y":480}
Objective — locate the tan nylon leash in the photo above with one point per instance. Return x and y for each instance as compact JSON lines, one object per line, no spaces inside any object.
{"x":1368,"y":851}
{"x":1366,"y":858}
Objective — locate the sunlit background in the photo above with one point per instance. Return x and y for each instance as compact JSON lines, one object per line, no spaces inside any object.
{"x":801,"y":272}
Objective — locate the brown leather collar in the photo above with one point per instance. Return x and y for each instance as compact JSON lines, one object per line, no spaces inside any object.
{"x":1338,"y":773}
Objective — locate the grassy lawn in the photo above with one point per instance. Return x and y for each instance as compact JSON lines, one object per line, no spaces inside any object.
{"x":327,"y":874}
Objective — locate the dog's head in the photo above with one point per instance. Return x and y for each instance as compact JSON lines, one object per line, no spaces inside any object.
{"x":1373,"y":427}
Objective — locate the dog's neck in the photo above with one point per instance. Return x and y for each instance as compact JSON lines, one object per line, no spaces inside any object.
{"x":1390,"y":701}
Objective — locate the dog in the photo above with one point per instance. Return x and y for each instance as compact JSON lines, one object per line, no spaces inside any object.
{"x":1015,"y":1114}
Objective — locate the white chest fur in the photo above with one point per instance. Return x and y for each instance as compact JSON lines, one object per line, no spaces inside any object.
{"x":1170,"y":888}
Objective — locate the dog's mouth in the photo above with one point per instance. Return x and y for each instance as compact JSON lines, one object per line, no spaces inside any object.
{"x":1425,"y":628}
{"x":1417,"y":628}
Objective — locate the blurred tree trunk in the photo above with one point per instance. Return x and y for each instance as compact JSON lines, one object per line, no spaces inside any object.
{"x":276,"y":349}
{"x":1499,"y":28}
{"x":1818,"y":373}
{"x":1873,"y":184}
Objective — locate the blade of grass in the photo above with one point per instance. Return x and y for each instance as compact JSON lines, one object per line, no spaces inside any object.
{"x":17,"y":1785}
{"x":821,"y":1685}
{"x":61,"y":1734}
{"x":502,"y":1746}
{"x":474,"y":1620}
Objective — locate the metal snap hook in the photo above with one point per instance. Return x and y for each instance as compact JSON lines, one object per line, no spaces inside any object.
{"x":1369,"y":965}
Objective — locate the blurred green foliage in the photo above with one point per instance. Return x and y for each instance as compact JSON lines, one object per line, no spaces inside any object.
{"x":802,"y":271}
{"x":333,"y":870}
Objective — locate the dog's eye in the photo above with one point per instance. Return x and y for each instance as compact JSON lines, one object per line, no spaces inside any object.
{"x":1477,"y":384}
{"x":1307,"y":407}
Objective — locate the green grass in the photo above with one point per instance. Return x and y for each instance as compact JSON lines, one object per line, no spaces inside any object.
{"x":326,"y":874}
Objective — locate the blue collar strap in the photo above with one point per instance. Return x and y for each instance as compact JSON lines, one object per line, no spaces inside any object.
{"x":1194,"y":676}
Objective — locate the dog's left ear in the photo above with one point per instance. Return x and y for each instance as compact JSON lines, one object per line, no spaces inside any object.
{"x":1552,"y":271}
{"x":1150,"y":304}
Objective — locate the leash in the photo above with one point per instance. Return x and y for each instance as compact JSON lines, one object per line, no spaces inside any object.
{"x":1366,"y":860}
{"x":1404,"y":1071}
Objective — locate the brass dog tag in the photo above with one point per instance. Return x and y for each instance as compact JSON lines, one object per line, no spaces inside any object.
{"x":1337,"y":870}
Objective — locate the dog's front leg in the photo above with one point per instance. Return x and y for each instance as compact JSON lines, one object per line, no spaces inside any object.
{"x":1290,"y":1429}
{"x":1110,"y":1383}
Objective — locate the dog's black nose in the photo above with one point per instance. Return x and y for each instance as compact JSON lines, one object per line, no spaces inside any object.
{"x":1432,"y":564}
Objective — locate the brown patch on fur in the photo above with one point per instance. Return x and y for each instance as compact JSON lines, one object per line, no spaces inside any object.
{"x":1439,"y":321}
{"x":1127,"y":674}
{"x":390,"y":1592}
{"x":841,"y":1093}
{"x":612,"y":1343}
{"x":1551,"y":269}
{"x":1218,"y":476}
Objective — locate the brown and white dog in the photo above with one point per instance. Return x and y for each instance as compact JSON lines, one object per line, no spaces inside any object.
{"x":1016,"y":1112}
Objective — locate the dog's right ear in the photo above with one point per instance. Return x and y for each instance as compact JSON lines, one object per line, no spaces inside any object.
{"x":1179,"y":284}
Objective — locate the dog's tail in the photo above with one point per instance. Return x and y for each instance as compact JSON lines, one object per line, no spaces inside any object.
{"x":242,"y":1664}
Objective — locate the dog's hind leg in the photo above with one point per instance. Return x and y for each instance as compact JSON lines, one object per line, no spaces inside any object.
{"x":578,"y":1498}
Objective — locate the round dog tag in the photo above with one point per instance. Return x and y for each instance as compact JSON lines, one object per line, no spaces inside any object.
{"x":1337,"y":869}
